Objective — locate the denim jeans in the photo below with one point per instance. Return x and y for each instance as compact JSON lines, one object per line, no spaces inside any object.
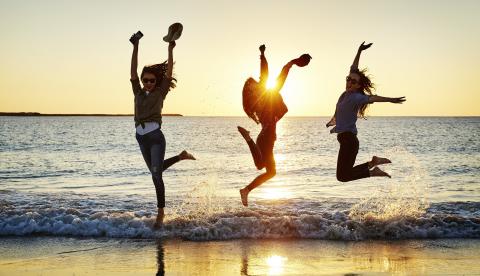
{"x":346,"y":159}
{"x":152,"y":145}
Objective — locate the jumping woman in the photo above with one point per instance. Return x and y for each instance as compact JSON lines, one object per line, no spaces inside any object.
{"x":352,"y":104}
{"x":266,"y":107}
{"x":157,"y":81}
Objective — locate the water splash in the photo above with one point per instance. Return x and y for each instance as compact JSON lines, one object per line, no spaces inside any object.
{"x":403,"y":196}
{"x":201,"y":202}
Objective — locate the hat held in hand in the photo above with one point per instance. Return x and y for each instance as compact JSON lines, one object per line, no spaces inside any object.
{"x":174,"y":32}
{"x":303,"y":60}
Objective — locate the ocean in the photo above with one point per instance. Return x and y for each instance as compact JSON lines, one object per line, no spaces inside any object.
{"x":85,"y":177}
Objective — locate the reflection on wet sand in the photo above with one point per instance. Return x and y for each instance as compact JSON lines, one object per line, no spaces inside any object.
{"x":160,"y":258}
{"x":69,"y":256}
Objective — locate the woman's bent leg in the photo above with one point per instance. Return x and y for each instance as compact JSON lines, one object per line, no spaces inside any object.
{"x":346,"y":159}
{"x":170,"y":161}
{"x":265,"y":144}
{"x":254,"y":149}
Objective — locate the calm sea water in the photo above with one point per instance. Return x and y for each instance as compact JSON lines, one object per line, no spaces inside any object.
{"x":85,"y":176}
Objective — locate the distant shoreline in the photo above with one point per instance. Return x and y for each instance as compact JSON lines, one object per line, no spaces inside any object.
{"x":34,"y":114}
{"x":37,"y":114}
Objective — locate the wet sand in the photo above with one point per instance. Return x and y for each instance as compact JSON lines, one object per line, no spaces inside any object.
{"x":76,"y":256}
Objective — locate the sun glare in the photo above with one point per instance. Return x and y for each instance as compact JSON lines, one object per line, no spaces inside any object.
{"x":275,"y":193}
{"x":275,"y":264}
{"x":271,"y":82}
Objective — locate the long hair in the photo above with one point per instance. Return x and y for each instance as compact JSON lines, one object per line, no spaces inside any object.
{"x":159,"y":71}
{"x":250,"y":99}
{"x":366,"y":86}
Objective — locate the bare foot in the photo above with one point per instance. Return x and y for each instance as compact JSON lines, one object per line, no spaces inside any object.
{"x":378,"y":172}
{"x":378,"y":161}
{"x":245,"y":133}
{"x":244,"y":195}
{"x":185,"y":155}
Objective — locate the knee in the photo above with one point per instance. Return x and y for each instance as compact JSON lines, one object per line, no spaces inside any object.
{"x":342,"y":177}
{"x":271,"y":172}
{"x":156,"y":172}
{"x":259,"y":166}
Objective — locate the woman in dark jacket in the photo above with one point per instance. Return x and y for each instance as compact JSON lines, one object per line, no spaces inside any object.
{"x":157,"y":81}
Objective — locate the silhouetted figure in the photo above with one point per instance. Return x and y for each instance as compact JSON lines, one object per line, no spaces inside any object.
{"x":352,"y":104}
{"x":266,"y":107}
{"x":157,"y":81}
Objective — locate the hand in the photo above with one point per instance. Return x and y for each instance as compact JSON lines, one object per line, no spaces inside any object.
{"x":262,"y":48}
{"x":364,"y":47}
{"x":134,"y":40}
{"x":398,"y":100}
{"x":171,"y":45}
{"x":332,"y":122}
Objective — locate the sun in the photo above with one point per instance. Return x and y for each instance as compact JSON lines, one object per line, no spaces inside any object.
{"x":271,"y":83}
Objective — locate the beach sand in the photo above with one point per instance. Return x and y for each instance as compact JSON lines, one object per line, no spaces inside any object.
{"x":76,"y":256}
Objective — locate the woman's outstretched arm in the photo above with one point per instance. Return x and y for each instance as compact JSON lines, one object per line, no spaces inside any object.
{"x":376,"y":98}
{"x":171,"y":45}
{"x":134,"y":63}
{"x":282,"y":77}
{"x":356,"y":60}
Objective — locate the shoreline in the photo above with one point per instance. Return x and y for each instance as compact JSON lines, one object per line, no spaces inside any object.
{"x":79,"y":256}
{"x":38,"y":114}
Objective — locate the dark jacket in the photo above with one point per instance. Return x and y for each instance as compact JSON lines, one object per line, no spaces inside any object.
{"x":148,"y":108}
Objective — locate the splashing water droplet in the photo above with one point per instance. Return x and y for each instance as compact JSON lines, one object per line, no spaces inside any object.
{"x":403,"y":196}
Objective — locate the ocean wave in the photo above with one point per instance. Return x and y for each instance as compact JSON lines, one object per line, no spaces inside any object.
{"x":254,"y":223}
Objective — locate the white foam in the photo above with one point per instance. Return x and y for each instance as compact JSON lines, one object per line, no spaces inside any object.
{"x":256,"y":224}
{"x":204,"y":215}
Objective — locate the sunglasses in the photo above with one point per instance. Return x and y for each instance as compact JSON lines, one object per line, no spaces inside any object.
{"x":353,"y":81}
{"x":145,"y":80}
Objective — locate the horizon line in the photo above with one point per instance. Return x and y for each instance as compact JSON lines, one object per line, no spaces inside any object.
{"x":33,"y":114}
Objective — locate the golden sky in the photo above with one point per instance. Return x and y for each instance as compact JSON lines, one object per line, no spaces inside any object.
{"x":74,"y":56}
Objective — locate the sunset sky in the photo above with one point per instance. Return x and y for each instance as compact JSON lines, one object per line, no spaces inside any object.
{"x":74,"y":56}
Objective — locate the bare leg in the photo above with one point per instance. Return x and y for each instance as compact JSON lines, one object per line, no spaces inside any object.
{"x":254,"y":150}
{"x":259,"y":180}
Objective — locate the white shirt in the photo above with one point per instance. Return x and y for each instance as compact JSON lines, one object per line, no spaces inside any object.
{"x":149,"y":127}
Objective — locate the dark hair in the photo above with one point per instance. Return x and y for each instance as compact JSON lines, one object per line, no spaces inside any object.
{"x":366,"y":86}
{"x":159,"y":71}
{"x":250,"y":99}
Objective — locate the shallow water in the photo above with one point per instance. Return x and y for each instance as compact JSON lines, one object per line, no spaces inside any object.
{"x":85,"y":176}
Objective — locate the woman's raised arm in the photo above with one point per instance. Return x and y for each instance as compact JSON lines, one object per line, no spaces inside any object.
{"x":356,"y":60}
{"x":134,"y":63}
{"x":171,"y":45}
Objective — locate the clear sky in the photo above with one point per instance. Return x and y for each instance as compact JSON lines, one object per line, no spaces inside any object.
{"x":74,"y":56}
